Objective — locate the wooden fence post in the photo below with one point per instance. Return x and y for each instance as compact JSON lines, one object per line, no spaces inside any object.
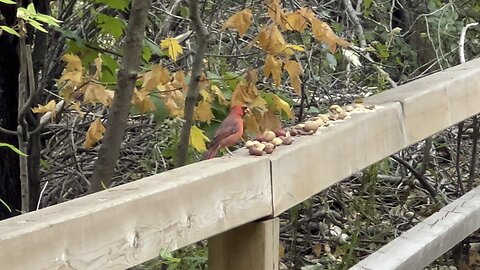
{"x":253,"y":246}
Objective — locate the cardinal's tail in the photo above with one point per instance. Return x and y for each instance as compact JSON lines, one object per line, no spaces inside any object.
{"x":211,"y":153}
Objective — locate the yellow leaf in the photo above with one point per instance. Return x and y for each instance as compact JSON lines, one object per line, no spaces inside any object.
{"x":299,"y":48}
{"x":49,"y":107}
{"x":98,"y":67}
{"x":206,"y":96}
{"x":270,"y":121}
{"x":221,"y":98}
{"x":155,"y":77}
{"x":94,"y":133}
{"x":258,"y":102}
{"x":203,"y":112}
{"x":294,"y":69}
{"x":323,"y":33}
{"x":282,"y":105}
{"x":142,"y":100}
{"x":275,"y":11}
{"x":73,"y":70}
{"x":96,"y":93}
{"x":198,"y":139}
{"x":273,"y":67}
{"x":76,"y":107}
{"x":307,"y":13}
{"x":296,"y":21}
{"x":252,"y":125}
{"x":271,"y":40}
{"x":173,"y":47}
{"x":240,"y":21}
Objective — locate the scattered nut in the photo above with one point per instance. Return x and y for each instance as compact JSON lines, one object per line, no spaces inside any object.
{"x":260,"y":138}
{"x":255,"y":151}
{"x":249,"y":144}
{"x":312,"y":126}
{"x":342,"y":115}
{"x":269,"y":135}
{"x":336,"y":109}
{"x":288,"y":140}
{"x":293,"y":132}
{"x":349,"y":108}
{"x":280,"y":132}
{"x":269,"y":149}
{"x":300,"y":126}
{"x":277,"y":141}
{"x":259,"y":146}
{"x":324,"y":117}
{"x":333,"y":117}
{"x":370,"y":107}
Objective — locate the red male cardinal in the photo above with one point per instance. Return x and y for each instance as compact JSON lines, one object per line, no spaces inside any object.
{"x":229,"y":132}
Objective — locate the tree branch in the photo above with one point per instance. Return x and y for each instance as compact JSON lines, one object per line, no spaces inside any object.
{"x":127,"y":77}
{"x":192,"y":96}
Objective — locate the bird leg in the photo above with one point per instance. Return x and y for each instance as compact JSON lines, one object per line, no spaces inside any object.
{"x":229,"y":152}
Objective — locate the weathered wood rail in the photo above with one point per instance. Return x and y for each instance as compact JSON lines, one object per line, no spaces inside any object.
{"x":126,"y":225}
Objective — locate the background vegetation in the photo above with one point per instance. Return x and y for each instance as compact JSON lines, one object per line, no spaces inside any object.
{"x":287,"y":59}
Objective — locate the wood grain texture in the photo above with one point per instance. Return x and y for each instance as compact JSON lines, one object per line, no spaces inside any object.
{"x":429,"y":239}
{"x":254,"y":246}
{"x":436,"y":102}
{"x":312,"y":164}
{"x":127,"y":225}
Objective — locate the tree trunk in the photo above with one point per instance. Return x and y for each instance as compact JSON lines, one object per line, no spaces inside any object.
{"x":117,"y":118}
{"x":9,"y":165}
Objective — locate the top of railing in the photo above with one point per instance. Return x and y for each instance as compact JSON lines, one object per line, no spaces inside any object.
{"x":129,"y":224}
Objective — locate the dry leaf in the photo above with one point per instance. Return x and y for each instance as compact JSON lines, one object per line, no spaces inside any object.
{"x":173,"y":47}
{"x":198,"y":139}
{"x":240,"y":21}
{"x":294,"y":69}
{"x":94,"y":134}
{"x":49,"y":107}
{"x":221,"y":98}
{"x":98,"y":67}
{"x":203,"y":112}
{"x":273,"y":67}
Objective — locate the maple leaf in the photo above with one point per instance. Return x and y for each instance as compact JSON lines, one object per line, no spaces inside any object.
{"x":294,"y":69}
{"x":307,"y":13}
{"x":94,"y":133}
{"x":240,"y":21}
{"x":173,"y":47}
{"x":198,"y":139}
{"x":98,"y":67}
{"x":207,"y":97}
{"x":94,"y":92}
{"x":156,"y":77}
{"x":203,"y":112}
{"x":296,"y":21}
{"x":275,"y":11}
{"x":324,"y":33}
{"x":282,"y":105}
{"x":273,"y":67}
{"x":143,"y":101}
{"x":76,"y":107}
{"x":73,"y":71}
{"x":270,"y":121}
{"x":252,"y":125}
{"x":271,"y":40}
{"x":49,"y":107}
{"x":179,"y":80}
{"x":221,"y":98}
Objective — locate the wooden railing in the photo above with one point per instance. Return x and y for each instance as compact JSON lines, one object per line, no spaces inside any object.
{"x":234,"y":198}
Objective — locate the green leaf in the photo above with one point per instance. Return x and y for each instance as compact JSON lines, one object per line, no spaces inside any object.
{"x":9,"y":30}
{"x":11,"y":3}
{"x":37,"y":26}
{"x":13,"y":148}
{"x":115,"y":4}
{"x":110,"y":25}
